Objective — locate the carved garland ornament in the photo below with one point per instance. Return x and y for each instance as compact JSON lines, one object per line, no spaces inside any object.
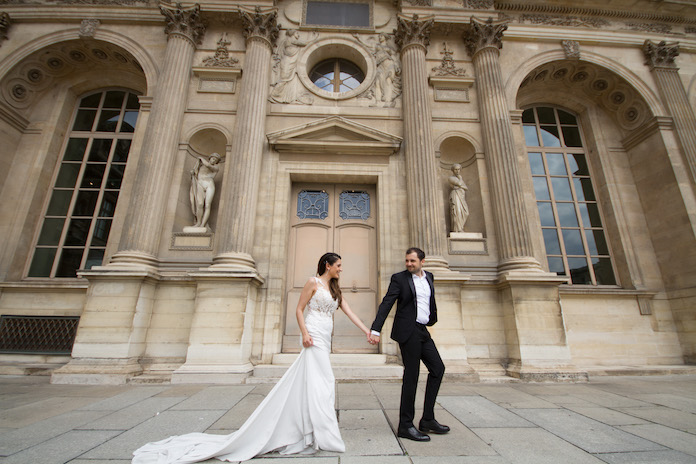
{"x":184,"y":22}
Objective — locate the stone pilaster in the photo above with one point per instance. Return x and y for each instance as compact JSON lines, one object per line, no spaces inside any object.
{"x":241,"y":182}
{"x":483,"y":41}
{"x":426,"y":221}
{"x":141,"y":233}
{"x":660,"y":58}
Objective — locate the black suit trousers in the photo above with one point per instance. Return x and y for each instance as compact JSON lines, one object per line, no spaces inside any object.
{"x":419,"y":346}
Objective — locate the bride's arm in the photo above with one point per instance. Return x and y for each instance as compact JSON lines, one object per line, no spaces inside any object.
{"x":355,"y":319}
{"x":307,"y":293}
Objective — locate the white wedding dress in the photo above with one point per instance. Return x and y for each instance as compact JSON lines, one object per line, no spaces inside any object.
{"x":297,"y":416}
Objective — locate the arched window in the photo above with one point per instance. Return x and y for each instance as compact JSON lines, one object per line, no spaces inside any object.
{"x":337,"y":75}
{"x":571,"y":220}
{"x":78,"y":217}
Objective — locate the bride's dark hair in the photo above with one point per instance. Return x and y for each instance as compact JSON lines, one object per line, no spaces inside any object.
{"x":334,"y":288}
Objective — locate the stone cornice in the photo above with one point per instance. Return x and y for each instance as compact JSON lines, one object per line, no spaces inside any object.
{"x":605,"y":13}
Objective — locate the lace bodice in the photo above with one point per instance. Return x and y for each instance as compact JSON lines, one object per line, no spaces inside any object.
{"x":322,"y":301}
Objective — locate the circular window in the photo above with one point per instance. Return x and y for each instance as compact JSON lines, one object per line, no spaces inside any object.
{"x":337,"y":75}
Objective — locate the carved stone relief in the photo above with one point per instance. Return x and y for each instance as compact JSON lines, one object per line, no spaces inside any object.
{"x":38,"y":71}
{"x":478,"y":4}
{"x":288,"y":88}
{"x":448,"y":66}
{"x":660,"y":55}
{"x":88,"y":27}
{"x":610,"y":91}
{"x":222,"y":58}
{"x":571,"y":48}
{"x":387,"y":86}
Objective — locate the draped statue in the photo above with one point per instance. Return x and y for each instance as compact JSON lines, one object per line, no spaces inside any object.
{"x":459,"y":210}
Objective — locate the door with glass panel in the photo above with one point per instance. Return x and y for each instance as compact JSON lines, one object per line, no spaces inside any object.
{"x":341,"y":218}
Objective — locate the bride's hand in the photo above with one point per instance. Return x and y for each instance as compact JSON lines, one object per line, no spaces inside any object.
{"x":307,"y":340}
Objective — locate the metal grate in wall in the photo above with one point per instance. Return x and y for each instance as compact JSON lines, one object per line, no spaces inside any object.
{"x":37,"y":334}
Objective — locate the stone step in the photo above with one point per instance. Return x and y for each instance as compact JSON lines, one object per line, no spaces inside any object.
{"x":337,"y":359}
{"x":28,"y":369}
{"x":268,"y":373}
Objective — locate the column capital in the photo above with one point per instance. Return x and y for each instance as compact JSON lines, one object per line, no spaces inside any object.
{"x":483,"y":34}
{"x":4,"y":25}
{"x":660,"y":55}
{"x":184,"y":22}
{"x":260,"y":23}
{"x":412,"y":32}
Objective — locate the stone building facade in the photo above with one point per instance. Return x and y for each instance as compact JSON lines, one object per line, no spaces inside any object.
{"x":543,"y":154}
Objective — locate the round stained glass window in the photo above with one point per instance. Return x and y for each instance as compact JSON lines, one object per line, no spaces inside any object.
{"x":337,"y":75}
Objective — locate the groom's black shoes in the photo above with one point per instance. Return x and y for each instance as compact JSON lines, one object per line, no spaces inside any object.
{"x":412,"y":433}
{"x":432,"y":426}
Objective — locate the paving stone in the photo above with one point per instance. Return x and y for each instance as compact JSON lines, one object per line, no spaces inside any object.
{"x":682,"y":403}
{"x":665,"y":416}
{"x":606,"y":415}
{"x":235,"y":417}
{"x":157,"y":428}
{"x":588,"y":434}
{"x":62,"y":448}
{"x":289,"y":460}
{"x":460,"y":441}
{"x":131,"y":416}
{"x":474,"y":411}
{"x":17,"y":440}
{"x":459,"y":460}
{"x":367,"y":433}
{"x":358,"y":402}
{"x":217,"y":397}
{"x":603,"y":398}
{"x":374,"y":460}
{"x":533,"y":446}
{"x":124,"y":399}
{"x":40,"y":410}
{"x":508,"y":397}
{"x":361,"y":389}
{"x":102,"y":461}
{"x":671,"y":438}
{"x":181,"y":390}
{"x":651,"y":457}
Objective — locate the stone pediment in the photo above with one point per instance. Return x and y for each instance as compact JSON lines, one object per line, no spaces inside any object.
{"x":334,"y":135}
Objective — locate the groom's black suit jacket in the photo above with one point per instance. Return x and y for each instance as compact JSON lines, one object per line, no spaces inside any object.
{"x":403,"y":291}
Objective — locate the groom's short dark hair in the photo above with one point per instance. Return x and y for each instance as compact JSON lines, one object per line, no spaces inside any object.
{"x":420,"y":253}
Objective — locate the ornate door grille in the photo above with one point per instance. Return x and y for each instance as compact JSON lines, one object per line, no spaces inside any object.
{"x":37,"y":334}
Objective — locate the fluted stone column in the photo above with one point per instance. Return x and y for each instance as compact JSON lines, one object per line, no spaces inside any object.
{"x":660,"y":58}
{"x":426,"y":221}
{"x":141,"y":233}
{"x":235,"y":228}
{"x":483,"y":41}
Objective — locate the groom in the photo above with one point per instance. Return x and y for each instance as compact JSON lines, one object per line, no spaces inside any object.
{"x":414,"y":293}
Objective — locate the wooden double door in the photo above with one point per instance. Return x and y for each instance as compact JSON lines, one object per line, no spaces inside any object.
{"x":341,"y":218}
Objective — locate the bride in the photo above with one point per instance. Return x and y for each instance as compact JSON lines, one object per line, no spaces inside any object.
{"x":298,"y":415}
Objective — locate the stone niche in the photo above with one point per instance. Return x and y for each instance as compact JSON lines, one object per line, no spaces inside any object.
{"x":201,"y":144}
{"x":457,"y":149}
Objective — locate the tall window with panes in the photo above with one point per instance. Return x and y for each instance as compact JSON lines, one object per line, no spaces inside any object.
{"x":77,"y":221}
{"x":571,"y":219}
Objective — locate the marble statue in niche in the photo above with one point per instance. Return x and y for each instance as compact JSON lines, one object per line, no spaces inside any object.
{"x":459,"y":209}
{"x":203,"y":191}
{"x":288,"y":88}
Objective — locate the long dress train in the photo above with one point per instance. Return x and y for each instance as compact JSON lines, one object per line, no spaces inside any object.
{"x":297,"y":416}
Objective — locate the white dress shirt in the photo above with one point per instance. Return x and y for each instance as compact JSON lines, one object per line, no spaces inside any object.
{"x":423,"y":293}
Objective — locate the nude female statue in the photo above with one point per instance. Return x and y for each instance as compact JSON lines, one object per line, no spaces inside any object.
{"x":203,"y":188}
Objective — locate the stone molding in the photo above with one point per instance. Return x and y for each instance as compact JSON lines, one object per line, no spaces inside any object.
{"x":479,"y":4}
{"x":4,"y":26}
{"x":585,"y":12}
{"x":660,"y":55}
{"x":184,"y":22}
{"x":483,"y":34}
{"x":262,"y":24}
{"x":412,"y":32}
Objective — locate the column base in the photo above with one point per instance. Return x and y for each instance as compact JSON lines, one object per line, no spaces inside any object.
{"x":212,"y":373}
{"x":435,"y":263}
{"x":234,"y":261}
{"x":526,"y":263}
{"x":133,"y":259}
{"x":547,"y":373}
{"x":93,"y":371}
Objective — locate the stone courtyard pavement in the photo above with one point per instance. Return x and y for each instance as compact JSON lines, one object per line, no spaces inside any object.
{"x":610,"y":419}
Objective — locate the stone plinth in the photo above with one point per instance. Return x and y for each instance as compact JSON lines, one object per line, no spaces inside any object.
{"x":465,"y":243}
